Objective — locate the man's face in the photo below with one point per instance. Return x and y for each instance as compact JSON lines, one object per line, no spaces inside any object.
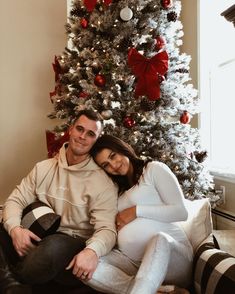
{"x":83,"y":135}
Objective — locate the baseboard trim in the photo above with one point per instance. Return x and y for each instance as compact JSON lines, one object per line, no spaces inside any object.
{"x":224,"y":214}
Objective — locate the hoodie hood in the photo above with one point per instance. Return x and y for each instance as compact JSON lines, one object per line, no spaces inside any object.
{"x":87,"y":164}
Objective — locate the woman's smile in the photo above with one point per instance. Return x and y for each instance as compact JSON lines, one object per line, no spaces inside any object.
{"x":112,"y":162}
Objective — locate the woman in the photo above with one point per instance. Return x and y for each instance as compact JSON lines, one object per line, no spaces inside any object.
{"x":150,"y":203}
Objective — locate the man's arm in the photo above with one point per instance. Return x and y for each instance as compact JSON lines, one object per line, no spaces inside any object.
{"x":21,"y":196}
{"x":103,"y":211}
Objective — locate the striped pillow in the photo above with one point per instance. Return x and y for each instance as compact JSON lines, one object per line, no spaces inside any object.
{"x":40,"y":218}
{"x":214,"y":270}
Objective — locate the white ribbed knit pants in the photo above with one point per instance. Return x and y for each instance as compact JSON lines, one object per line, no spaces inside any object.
{"x":165,"y":260}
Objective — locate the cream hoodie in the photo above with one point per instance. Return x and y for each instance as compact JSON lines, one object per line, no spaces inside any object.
{"x":82,"y":194}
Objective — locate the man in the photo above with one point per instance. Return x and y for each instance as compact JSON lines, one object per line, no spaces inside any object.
{"x":85,"y":197}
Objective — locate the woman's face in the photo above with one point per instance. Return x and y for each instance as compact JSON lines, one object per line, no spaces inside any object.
{"x":113,"y":163}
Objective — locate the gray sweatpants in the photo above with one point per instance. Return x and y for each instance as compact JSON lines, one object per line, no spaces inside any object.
{"x":165,"y":260}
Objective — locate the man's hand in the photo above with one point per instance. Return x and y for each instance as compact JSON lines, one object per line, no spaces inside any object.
{"x":84,"y":264}
{"x":22,"y":240}
{"x":125,"y":216}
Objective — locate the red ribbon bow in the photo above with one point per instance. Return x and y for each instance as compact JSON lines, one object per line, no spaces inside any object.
{"x":90,"y":4}
{"x":147,"y":70}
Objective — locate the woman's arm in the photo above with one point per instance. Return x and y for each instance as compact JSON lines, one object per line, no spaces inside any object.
{"x":165,"y":182}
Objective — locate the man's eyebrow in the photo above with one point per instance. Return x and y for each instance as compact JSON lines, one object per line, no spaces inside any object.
{"x":80,"y":126}
{"x":110,"y":154}
{"x":90,"y":131}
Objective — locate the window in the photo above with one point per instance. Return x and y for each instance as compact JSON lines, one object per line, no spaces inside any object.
{"x":217,"y":86}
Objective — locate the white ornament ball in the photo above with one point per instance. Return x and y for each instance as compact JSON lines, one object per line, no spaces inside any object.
{"x":107,"y":114}
{"x":126,"y":13}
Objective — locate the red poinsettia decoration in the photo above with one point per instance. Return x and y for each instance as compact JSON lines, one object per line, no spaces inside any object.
{"x":90,"y":4}
{"x":54,"y":143}
{"x":58,"y":70}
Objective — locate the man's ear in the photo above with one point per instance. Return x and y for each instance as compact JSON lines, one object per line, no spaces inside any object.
{"x":70,"y":129}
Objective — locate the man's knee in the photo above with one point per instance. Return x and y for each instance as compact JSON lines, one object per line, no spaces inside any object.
{"x":50,"y":257}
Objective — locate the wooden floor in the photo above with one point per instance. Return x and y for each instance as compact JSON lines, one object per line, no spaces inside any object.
{"x":226,"y":240}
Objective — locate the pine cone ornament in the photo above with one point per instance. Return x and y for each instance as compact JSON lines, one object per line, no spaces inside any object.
{"x":182,"y":70}
{"x":123,"y":85}
{"x":96,"y":68}
{"x":200,"y":156}
{"x":172,"y":16}
{"x":124,"y":44}
{"x":118,"y":115}
{"x":147,"y":105}
{"x":77,"y":12}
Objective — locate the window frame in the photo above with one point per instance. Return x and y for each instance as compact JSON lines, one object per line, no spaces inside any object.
{"x":205,"y":75}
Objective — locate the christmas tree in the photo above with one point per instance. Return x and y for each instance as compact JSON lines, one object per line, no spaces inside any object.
{"x":123,"y":60}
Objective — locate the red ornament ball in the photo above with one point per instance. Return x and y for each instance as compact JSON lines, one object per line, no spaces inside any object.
{"x":161,"y":78}
{"x":129,"y":122}
{"x":84,"y":23}
{"x":185,"y":117}
{"x":160,"y":42}
{"x":166,"y":3}
{"x":99,"y":81}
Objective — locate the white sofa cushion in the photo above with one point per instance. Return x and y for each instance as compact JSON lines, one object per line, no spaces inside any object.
{"x":199,"y":223}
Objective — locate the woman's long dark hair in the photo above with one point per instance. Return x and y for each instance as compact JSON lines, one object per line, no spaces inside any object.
{"x":117,"y":145}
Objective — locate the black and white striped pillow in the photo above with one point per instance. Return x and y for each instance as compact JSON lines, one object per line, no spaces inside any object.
{"x":214,"y":270}
{"x":40,"y":218}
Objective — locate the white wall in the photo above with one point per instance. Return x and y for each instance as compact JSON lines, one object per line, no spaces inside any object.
{"x":190,"y":39}
{"x":31,"y":33}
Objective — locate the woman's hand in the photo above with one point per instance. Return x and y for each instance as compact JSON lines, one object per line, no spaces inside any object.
{"x":125,"y":216}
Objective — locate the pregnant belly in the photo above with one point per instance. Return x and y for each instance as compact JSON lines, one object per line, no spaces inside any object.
{"x":133,"y":238}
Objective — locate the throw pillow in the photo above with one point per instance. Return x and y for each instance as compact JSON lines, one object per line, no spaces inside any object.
{"x":40,"y":218}
{"x":198,"y":226}
{"x":214,"y":269}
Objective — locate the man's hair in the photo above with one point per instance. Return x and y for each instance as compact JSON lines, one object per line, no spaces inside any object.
{"x":89,"y":113}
